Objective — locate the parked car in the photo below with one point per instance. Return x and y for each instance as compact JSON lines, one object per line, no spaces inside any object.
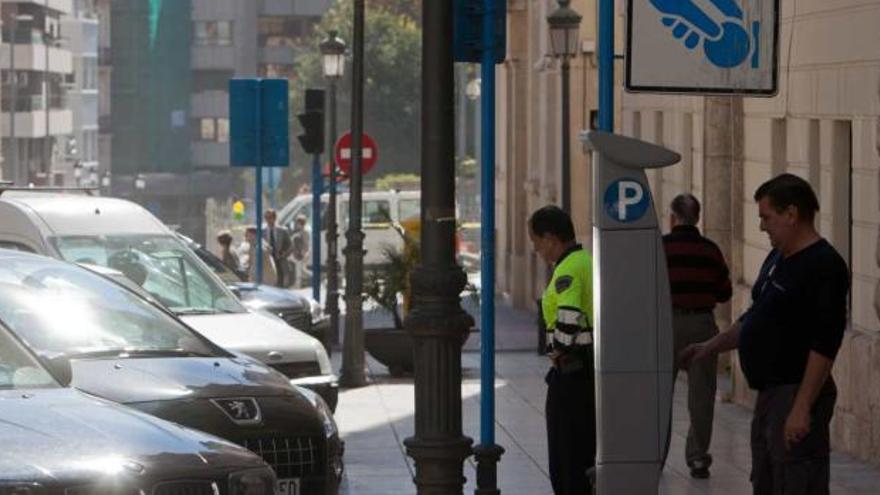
{"x":123,"y":348}
{"x":122,"y":235}
{"x":380,"y":210}
{"x":60,"y":441}
{"x":297,"y":309}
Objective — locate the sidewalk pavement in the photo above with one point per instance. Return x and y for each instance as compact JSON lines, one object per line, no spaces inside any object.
{"x":374,"y":421}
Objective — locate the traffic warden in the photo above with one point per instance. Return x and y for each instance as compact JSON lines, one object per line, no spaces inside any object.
{"x":788,"y":340}
{"x":698,"y":280}
{"x":567,"y":309}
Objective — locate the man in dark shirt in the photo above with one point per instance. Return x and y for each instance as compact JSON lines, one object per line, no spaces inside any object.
{"x":699,"y":279}
{"x":787,"y":342}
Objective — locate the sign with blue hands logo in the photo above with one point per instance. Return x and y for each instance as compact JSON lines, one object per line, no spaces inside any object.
{"x":703,"y":46}
{"x":626,"y":200}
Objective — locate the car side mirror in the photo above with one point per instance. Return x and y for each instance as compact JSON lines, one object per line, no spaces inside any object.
{"x":61,"y":369}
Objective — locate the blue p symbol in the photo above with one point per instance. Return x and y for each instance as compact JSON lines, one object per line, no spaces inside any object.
{"x":625,"y":200}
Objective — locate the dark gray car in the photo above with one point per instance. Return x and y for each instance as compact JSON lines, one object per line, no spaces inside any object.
{"x":59,"y":441}
{"x":122,"y":348}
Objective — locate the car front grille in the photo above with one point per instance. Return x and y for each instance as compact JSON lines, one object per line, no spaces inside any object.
{"x":298,"y":369}
{"x":290,"y":457}
{"x":109,"y":489}
{"x":298,"y":318}
{"x":165,"y":488}
{"x":186,"y":488}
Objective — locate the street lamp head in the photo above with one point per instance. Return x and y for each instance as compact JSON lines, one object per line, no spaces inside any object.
{"x":333,"y":55}
{"x":564,"y":24}
{"x":140,"y":182}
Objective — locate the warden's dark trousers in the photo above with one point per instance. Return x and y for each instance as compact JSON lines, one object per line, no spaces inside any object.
{"x":571,"y":426}
{"x":804,"y":469}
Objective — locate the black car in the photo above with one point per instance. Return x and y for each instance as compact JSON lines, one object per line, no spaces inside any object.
{"x":122,"y":348}
{"x":59,"y":441}
{"x":299,"y":311}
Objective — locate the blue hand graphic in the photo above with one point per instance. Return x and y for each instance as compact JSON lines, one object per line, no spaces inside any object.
{"x":726,"y":43}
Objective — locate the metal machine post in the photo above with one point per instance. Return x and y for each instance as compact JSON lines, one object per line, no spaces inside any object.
{"x":633,"y":316}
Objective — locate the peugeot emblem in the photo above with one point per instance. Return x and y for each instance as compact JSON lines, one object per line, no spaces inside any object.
{"x":241,"y":410}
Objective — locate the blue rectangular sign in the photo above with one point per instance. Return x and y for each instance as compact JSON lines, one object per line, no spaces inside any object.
{"x":258,"y":122}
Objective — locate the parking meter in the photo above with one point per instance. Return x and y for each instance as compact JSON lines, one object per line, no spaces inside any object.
{"x":633,"y":316}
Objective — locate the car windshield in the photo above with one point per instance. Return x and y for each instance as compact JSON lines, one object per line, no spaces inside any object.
{"x":63,"y":309}
{"x":18,"y":369}
{"x":162,"y":265}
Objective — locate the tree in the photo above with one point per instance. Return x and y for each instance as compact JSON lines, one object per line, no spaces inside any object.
{"x":392,"y":78}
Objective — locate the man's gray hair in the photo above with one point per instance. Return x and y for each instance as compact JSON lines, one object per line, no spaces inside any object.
{"x":686,"y":209}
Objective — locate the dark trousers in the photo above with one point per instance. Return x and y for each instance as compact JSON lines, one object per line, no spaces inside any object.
{"x":804,"y":469}
{"x":571,"y":427}
{"x":281,"y":269}
{"x":692,"y":328}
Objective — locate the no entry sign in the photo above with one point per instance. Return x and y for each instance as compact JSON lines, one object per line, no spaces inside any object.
{"x":343,"y":153}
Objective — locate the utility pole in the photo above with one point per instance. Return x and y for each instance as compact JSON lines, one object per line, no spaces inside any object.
{"x":437,"y":322}
{"x":353,"y":374}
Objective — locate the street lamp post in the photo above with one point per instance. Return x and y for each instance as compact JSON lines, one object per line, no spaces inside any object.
{"x":564,"y":23}
{"x":353,"y":374}
{"x":333,"y":53}
{"x":437,"y":323}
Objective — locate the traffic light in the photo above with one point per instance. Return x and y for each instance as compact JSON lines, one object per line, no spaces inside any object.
{"x":312,"y":121}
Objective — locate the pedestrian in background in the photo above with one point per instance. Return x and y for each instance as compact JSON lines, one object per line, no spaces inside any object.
{"x":699,"y":279}
{"x":270,"y":275}
{"x":301,"y":242}
{"x":567,"y":309}
{"x":229,"y":258}
{"x":279,"y":244}
{"x":788,"y":340}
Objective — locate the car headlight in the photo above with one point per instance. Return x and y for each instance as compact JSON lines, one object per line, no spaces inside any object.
{"x":252,"y":482}
{"x":324,"y":412}
{"x":23,"y":488}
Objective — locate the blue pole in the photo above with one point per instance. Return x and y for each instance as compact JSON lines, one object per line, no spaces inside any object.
{"x":317,"y":189}
{"x":487,"y":233}
{"x":606,"y":65}
{"x":258,"y":250}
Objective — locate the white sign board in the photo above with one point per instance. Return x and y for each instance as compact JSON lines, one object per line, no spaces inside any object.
{"x":702,"y":46}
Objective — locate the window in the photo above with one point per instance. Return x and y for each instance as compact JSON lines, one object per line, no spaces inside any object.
{"x":222,"y":130}
{"x":212,"y":33}
{"x":15,"y":246}
{"x":206,"y":130}
{"x":408,"y":208}
{"x":377,"y":212}
{"x":213,"y":129}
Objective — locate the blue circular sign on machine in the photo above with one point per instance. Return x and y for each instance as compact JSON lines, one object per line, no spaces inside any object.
{"x":626,"y":200}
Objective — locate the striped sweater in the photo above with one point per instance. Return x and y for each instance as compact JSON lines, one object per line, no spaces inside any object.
{"x":698,"y":275}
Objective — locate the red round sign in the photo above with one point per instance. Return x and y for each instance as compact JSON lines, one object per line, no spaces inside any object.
{"x":343,"y":153}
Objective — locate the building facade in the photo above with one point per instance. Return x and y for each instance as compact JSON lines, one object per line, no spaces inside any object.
{"x":823,"y":125}
{"x":35,"y":119}
{"x":169,"y":109}
{"x":80,"y":166}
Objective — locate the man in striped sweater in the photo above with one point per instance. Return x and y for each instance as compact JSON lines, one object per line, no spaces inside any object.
{"x":699,"y":280}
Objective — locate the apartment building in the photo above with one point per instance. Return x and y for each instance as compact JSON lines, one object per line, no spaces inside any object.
{"x":35,"y":63}
{"x":169,"y":105}
{"x":80,"y":166}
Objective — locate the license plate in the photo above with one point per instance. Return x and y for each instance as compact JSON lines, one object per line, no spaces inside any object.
{"x":288,"y":486}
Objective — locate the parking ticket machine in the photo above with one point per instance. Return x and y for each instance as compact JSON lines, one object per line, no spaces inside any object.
{"x":633,"y":316}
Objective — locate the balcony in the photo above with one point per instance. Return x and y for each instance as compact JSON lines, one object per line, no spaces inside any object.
{"x":209,"y":154}
{"x":33,"y":124}
{"x":209,"y":104}
{"x":213,"y":58}
{"x":288,"y":8}
{"x":282,"y":55}
{"x":35,"y":58}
